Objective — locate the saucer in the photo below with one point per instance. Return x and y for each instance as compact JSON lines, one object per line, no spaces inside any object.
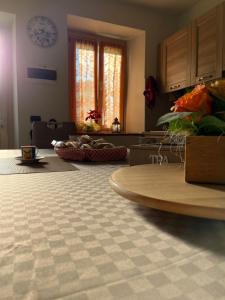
{"x":29,"y":161}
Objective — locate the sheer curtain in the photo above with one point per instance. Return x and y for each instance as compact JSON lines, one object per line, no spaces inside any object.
{"x":84,"y":79}
{"x":97,"y":71}
{"x":111,"y":79}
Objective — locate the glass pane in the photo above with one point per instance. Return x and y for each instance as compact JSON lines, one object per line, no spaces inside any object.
{"x":111,"y":85}
{"x":85,"y":79}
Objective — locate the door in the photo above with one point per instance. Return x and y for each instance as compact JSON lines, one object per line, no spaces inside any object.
{"x":176,"y":60}
{"x":207,"y":46}
{"x":5,"y":86}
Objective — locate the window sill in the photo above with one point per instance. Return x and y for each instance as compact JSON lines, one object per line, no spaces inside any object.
{"x":100,"y":133}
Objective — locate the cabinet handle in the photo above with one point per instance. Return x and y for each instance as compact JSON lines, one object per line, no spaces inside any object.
{"x":174,"y":87}
{"x":205,"y":77}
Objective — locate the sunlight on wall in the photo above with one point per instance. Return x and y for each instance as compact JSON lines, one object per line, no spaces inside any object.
{"x":1,"y":56}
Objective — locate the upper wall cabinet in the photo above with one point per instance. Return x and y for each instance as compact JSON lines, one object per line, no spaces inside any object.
{"x":223,"y":33}
{"x":194,"y":54}
{"x":207,"y":46}
{"x":176,"y":60}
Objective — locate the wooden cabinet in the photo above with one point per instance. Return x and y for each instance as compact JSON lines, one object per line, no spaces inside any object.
{"x":207,"y":46}
{"x":176,"y":60}
{"x":195,"y":53}
{"x":223,"y":33}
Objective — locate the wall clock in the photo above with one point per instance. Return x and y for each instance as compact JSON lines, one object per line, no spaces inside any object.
{"x":42,"y":31}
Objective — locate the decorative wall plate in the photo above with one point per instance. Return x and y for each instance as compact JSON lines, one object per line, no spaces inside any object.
{"x":42,"y":31}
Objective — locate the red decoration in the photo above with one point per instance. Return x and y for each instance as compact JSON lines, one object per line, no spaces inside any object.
{"x":150,"y":91}
{"x":93,"y":115}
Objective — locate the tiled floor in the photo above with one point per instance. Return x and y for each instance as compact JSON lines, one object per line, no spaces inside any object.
{"x":69,"y":236}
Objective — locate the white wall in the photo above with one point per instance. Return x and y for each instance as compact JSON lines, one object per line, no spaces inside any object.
{"x":135,"y":106}
{"x":197,"y":10}
{"x":51,"y":100}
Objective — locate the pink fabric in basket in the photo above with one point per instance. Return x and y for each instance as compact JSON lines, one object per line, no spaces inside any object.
{"x":108,"y":154}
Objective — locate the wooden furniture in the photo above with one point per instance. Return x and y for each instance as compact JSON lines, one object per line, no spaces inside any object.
{"x":176,"y":60}
{"x":205,"y":159}
{"x":43,"y":133}
{"x":223,"y":30}
{"x":163,"y":187}
{"x":207,"y":37}
{"x":194,"y":54}
{"x":150,"y":154}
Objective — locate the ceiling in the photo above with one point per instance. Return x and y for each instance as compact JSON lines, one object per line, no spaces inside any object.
{"x":102,"y":28}
{"x":170,"y":6}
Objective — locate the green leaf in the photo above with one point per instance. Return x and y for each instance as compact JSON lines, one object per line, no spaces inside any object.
{"x":211,"y":125}
{"x":183,"y":127}
{"x":218,"y":105}
{"x":167,"y":118}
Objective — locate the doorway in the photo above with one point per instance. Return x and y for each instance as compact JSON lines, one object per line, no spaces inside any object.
{"x":6,"y":81}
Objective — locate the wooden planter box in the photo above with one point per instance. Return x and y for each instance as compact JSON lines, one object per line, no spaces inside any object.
{"x":205,"y":159}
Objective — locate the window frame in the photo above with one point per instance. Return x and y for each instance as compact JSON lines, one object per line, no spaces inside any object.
{"x":100,"y":42}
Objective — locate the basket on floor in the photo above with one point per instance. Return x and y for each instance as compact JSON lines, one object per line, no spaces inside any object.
{"x":106,"y":154}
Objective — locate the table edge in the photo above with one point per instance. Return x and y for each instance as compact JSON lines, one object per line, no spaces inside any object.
{"x":173,"y":207}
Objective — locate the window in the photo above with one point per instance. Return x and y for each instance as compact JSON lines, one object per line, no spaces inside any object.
{"x":97,"y":79}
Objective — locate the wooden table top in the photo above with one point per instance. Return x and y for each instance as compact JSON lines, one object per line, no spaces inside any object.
{"x":163,"y":187}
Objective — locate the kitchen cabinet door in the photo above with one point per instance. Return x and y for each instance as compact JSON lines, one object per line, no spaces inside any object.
{"x":175,"y":60}
{"x":207,"y":46}
{"x":223,"y":33}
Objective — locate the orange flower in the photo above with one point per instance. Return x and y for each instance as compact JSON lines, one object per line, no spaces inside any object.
{"x":197,"y":100}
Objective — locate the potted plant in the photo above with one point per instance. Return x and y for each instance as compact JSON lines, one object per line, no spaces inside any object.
{"x":91,"y":122}
{"x":199,"y":115}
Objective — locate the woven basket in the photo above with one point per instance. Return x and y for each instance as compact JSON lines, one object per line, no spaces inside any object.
{"x":107,"y":154}
{"x":70,"y":154}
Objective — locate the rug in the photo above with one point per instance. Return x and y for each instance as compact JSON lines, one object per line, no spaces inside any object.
{"x":48,"y":164}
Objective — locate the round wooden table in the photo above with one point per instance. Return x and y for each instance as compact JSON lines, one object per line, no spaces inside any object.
{"x":163,"y":187}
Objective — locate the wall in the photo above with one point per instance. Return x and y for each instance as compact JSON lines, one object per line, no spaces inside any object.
{"x":197,"y":10}
{"x":51,"y":100}
{"x":135,"y":106}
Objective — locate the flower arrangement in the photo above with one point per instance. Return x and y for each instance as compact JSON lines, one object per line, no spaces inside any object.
{"x":199,"y":112}
{"x":91,"y":122}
